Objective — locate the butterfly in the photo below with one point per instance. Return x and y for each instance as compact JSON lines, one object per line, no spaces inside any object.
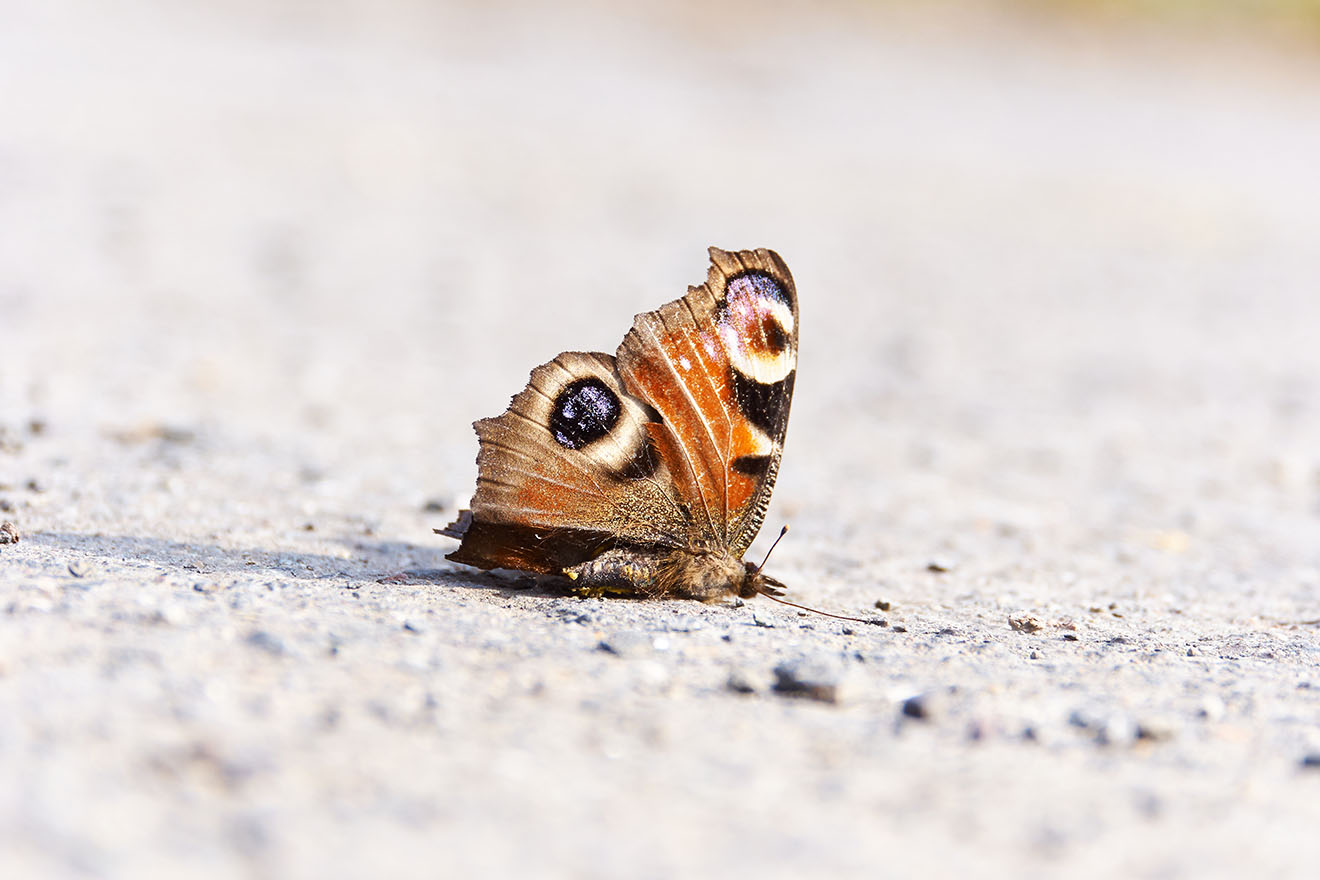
{"x":648,"y":473}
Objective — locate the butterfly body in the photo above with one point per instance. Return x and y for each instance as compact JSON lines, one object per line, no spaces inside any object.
{"x":647,"y":473}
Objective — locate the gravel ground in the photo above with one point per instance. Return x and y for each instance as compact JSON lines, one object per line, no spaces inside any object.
{"x":1057,"y":425}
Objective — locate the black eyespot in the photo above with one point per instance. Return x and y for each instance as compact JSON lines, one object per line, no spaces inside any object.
{"x":585,"y":411}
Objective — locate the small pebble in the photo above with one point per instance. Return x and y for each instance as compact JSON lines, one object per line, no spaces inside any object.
{"x":764,"y":620}
{"x":918,"y":707}
{"x":740,"y":682}
{"x":264,"y":641}
{"x":1025,"y":623}
{"x":80,"y":568}
{"x":1311,"y":761}
{"x":685,"y":623}
{"x":1113,"y":729}
{"x":1212,"y":708}
{"x":882,"y":604}
{"x":939,"y":566}
{"x":811,"y":678}
{"x":1158,"y":729}
{"x":8,"y":533}
{"x":629,"y":643}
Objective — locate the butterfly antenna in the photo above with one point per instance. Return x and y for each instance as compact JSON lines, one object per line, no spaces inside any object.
{"x":782,"y":532}
{"x":771,"y":596}
{"x":869,"y":620}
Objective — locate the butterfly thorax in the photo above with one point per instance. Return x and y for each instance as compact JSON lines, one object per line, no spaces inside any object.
{"x":704,"y":574}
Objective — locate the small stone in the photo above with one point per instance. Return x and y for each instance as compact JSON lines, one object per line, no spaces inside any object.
{"x":6,"y":505}
{"x":1311,"y":761}
{"x":265,"y":641}
{"x":1025,"y":623}
{"x":1070,"y":637}
{"x":1157,"y":729}
{"x":882,"y":604}
{"x":939,"y":566}
{"x":1112,"y":729}
{"x":740,"y":682}
{"x":434,"y":505}
{"x":810,"y":678}
{"x":628,"y":643}
{"x":34,"y":486}
{"x":411,"y":627}
{"x":918,"y":707}
{"x":8,"y":533}
{"x":898,"y":628}
{"x":764,"y":620}
{"x":80,"y":568}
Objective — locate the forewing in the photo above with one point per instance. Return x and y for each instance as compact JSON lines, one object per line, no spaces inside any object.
{"x":718,"y":367}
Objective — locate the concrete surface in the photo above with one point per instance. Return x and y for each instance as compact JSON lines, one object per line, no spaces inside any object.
{"x":1058,"y":406}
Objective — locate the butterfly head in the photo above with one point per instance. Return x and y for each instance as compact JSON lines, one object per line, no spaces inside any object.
{"x":756,"y":583}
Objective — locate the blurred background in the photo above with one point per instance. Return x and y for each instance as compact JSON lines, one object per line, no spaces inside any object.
{"x":346,"y":230}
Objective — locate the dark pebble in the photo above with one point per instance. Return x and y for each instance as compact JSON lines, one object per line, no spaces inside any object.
{"x":917,"y":707}
{"x":8,"y":533}
{"x":812,"y":679}
{"x":740,"y":683}
{"x":264,"y":641}
{"x":628,"y":643}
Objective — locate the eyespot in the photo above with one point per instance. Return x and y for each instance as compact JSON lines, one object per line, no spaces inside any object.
{"x":756,"y":324}
{"x":584,"y":411}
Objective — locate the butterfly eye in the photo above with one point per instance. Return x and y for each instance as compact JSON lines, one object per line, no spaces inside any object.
{"x":584,"y":411}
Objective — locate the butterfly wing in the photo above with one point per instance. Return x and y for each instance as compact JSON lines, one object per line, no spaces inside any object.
{"x":672,"y":444}
{"x":718,"y":367}
{"x":568,"y":471}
